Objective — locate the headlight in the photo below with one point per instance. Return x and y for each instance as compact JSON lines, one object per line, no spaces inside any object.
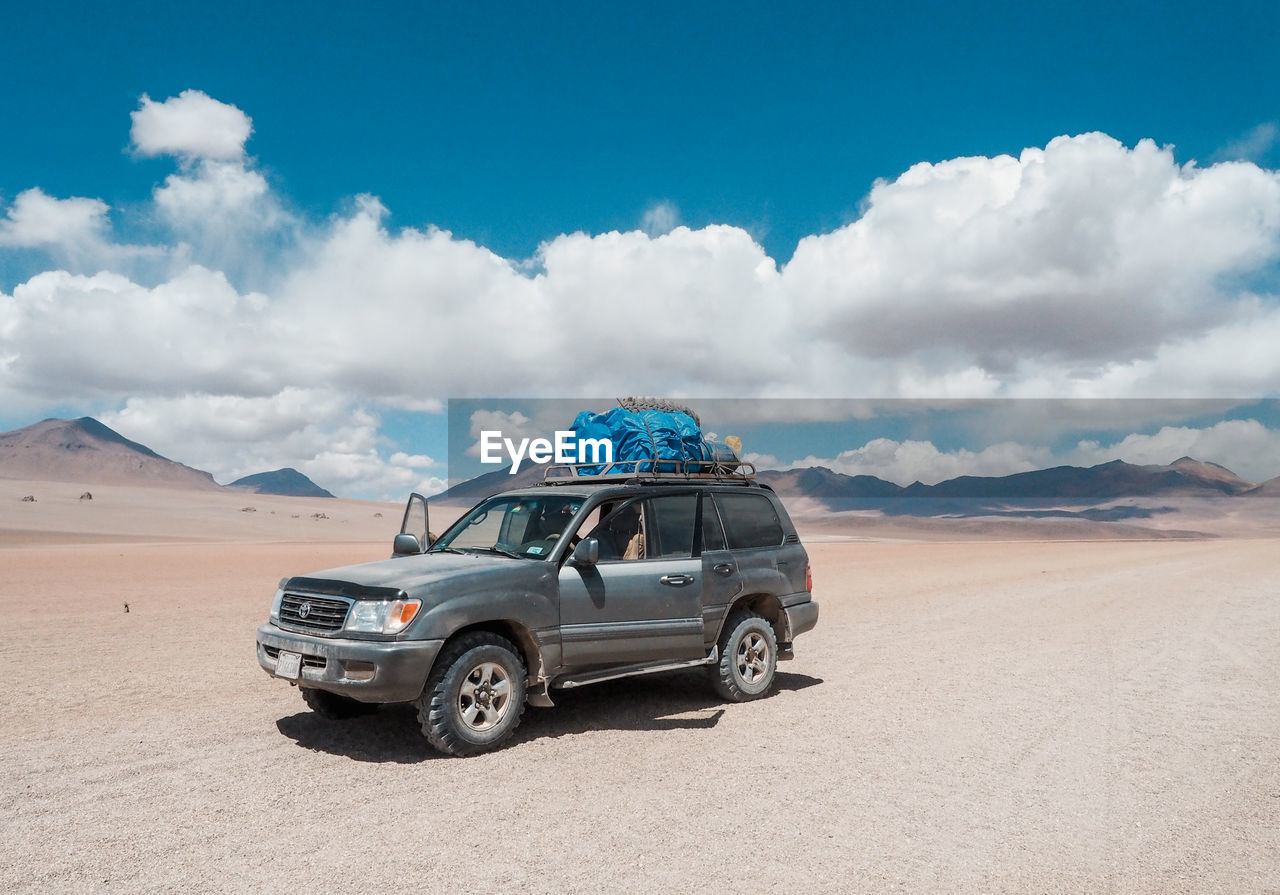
{"x":399,"y":614}
{"x":383,"y":616}
{"x":275,"y":604}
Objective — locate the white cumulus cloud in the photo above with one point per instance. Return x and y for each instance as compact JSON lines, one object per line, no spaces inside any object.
{"x":904,"y":462}
{"x":37,"y":219}
{"x":1084,"y":268}
{"x":329,"y":436}
{"x":215,"y":190}
{"x":513,"y":425}
{"x":191,"y":125}
{"x":1084,"y":253}
{"x":411,"y":461}
{"x":218,"y":206}
{"x":73,"y":336}
{"x":1246,"y":447}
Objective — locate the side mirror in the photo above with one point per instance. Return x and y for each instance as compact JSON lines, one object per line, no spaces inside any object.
{"x":587,"y":553}
{"x":405,"y":544}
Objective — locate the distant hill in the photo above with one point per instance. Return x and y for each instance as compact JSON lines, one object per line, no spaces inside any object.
{"x":483,"y":485}
{"x":288,"y":482}
{"x":85,"y":451}
{"x":1269,"y":488}
{"x":1204,"y":471}
{"x":1185,"y":477}
{"x":818,"y":481}
{"x":1107,"y":481}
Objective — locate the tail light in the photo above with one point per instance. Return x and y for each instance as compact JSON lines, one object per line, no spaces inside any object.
{"x":808,"y":577}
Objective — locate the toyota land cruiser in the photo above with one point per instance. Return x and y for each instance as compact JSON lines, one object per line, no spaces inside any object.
{"x":578,"y":580}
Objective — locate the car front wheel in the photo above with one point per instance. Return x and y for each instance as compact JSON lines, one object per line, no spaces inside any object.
{"x":748,"y":658}
{"x":475,"y":695}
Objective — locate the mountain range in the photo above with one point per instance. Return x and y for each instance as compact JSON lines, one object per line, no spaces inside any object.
{"x":1185,"y":477}
{"x":88,"y":452}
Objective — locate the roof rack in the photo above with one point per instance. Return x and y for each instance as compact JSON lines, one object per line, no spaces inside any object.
{"x":667,"y":471}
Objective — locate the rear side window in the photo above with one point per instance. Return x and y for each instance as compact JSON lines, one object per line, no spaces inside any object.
{"x":671,"y":520}
{"x":749,"y":520}
{"x":712,"y":533}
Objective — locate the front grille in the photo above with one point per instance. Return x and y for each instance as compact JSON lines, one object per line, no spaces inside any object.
{"x":321,"y":614}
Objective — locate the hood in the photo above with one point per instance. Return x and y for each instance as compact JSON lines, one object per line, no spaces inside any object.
{"x":428,"y":576}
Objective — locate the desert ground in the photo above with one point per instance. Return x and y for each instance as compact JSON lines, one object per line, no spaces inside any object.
{"x":979,"y":714}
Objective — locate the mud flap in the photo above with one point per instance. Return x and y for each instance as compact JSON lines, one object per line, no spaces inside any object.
{"x":538,"y":696}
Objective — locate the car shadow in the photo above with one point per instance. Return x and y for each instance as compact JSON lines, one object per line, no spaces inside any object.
{"x":391,"y":734}
{"x":673,"y":701}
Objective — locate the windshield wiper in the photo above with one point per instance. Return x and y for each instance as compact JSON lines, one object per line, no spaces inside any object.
{"x":501,"y":551}
{"x":446,"y":550}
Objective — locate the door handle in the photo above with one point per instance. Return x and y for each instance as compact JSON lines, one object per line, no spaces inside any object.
{"x":676,"y":580}
{"x":722,"y":568}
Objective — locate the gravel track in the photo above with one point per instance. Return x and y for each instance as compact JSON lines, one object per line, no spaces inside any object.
{"x":967,"y":717}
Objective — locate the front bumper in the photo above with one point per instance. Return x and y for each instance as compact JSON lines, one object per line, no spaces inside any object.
{"x":367,"y":670}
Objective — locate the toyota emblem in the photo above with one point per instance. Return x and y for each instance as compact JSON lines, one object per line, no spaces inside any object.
{"x":304,"y":610}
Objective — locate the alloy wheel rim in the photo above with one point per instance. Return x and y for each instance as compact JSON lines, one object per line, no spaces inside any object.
{"x":753,"y":656}
{"x":485,"y":696}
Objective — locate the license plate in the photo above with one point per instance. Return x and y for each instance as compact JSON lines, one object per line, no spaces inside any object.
{"x":288,"y":665}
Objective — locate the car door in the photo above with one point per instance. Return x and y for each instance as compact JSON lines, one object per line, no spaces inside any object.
{"x":721,"y":575}
{"x":642,"y":600}
{"x":416,"y":520}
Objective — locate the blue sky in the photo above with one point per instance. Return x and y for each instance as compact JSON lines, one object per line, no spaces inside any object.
{"x":260,"y":235}
{"x":511,"y":123}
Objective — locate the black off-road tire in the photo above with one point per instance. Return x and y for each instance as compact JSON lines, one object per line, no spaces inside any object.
{"x":748,"y":658}
{"x":335,"y":707}
{"x":474,"y":696}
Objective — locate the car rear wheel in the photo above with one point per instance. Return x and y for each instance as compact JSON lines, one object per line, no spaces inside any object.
{"x":748,"y":658}
{"x":475,"y":695}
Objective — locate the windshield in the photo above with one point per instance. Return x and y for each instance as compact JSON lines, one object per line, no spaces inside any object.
{"x":514,"y":526}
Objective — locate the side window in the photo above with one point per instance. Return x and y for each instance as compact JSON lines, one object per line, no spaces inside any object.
{"x":671,"y":523}
{"x":712,"y":531}
{"x":588,"y":525}
{"x":750,"y":520}
{"x":621,"y":534}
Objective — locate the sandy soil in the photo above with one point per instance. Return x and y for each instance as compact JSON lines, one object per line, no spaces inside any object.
{"x":976,"y":716}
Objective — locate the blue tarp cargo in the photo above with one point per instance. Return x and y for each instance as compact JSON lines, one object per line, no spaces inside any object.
{"x":650,"y":435}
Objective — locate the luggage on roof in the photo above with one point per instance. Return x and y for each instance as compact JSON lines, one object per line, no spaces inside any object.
{"x":649,"y":429}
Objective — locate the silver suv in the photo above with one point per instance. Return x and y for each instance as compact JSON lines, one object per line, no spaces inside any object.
{"x":573,"y":582}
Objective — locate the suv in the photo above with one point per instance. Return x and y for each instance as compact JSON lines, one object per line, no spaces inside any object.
{"x":571,"y":582}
